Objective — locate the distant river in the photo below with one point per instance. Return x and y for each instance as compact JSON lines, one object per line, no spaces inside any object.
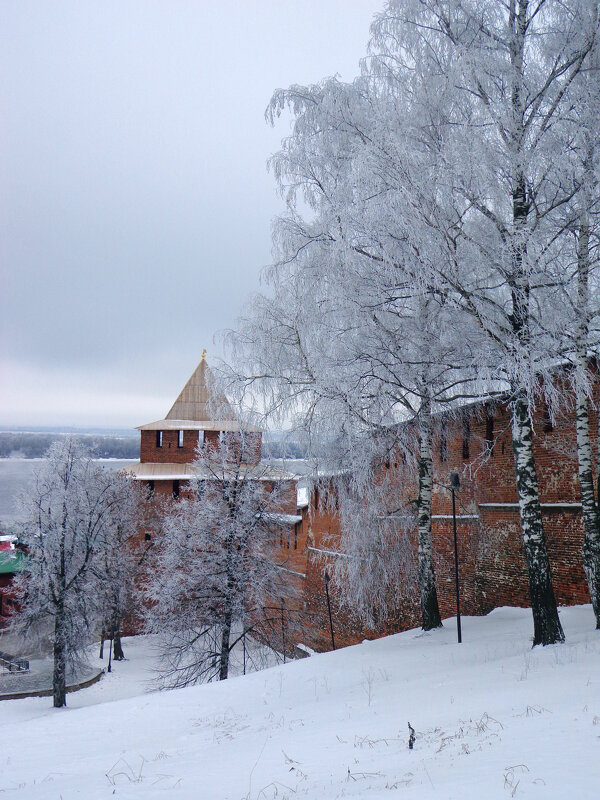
{"x":16,"y":475}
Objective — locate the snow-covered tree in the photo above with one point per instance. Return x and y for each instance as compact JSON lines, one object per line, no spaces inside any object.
{"x":70,"y":515}
{"x":421,"y":258}
{"x":355,"y":337}
{"x":582,"y":298}
{"x":378,"y":571}
{"x":496,"y":83}
{"x":120,"y":563}
{"x":215,"y":565}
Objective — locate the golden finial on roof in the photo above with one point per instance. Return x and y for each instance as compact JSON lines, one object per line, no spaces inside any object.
{"x":203,"y":355}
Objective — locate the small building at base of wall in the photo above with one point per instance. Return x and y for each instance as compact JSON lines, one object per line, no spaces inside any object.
{"x":12,"y":562}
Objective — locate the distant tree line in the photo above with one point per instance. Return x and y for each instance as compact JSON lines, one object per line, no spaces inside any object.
{"x":274,"y":448}
{"x":36,"y":445}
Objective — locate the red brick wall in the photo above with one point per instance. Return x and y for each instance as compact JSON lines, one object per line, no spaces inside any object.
{"x":491,"y":560}
{"x":169,"y":453}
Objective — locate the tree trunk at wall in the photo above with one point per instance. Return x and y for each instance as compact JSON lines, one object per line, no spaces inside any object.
{"x":430,"y":612}
{"x":546,"y":624}
{"x":591,"y":517}
{"x":224,"y":656}
{"x":591,"y":544}
{"x":118,"y":653}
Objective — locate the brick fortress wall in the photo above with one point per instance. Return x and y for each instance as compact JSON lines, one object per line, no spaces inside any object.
{"x":477,"y":445}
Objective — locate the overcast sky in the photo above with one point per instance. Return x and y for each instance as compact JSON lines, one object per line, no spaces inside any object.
{"x":135,"y":200}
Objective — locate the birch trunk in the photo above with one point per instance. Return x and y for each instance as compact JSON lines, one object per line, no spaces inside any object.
{"x":430,"y":612}
{"x":591,"y":518}
{"x":546,"y":624}
{"x":591,"y":543}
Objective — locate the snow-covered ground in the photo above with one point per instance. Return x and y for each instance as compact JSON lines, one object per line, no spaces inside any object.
{"x":494,"y":719}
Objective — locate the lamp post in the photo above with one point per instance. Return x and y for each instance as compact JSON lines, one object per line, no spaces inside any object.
{"x":454,"y":485}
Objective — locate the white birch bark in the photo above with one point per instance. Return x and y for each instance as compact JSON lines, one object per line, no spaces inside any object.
{"x":546,"y":624}
{"x":591,"y":520}
{"x":430,"y":611}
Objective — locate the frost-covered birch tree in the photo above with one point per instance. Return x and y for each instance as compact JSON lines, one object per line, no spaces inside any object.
{"x":70,"y":513}
{"x":510,"y":73}
{"x":582,"y":300}
{"x":215,"y":564}
{"x":355,"y":336}
{"x":120,"y":561}
{"x":432,"y":182}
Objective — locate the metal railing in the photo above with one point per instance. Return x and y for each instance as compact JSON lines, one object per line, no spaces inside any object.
{"x":10,"y":663}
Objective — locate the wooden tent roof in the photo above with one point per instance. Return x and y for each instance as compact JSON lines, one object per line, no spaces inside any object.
{"x":199,"y":407}
{"x":197,"y":400}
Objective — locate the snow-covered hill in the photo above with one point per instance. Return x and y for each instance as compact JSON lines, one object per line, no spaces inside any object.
{"x":494,"y":719}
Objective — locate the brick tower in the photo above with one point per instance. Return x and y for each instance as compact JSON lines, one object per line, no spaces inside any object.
{"x":198,"y":418}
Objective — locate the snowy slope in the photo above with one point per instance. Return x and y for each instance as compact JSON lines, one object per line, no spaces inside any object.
{"x":494,"y":719}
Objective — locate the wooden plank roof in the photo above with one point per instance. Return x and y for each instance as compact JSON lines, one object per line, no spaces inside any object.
{"x":198,"y":400}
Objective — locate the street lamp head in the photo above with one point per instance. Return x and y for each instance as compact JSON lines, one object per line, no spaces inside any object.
{"x":454,"y":480}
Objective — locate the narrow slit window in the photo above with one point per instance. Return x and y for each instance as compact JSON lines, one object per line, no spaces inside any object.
{"x":159,"y":438}
{"x":176,"y":489}
{"x":200,"y":438}
{"x":150,"y":488}
{"x":547,"y":426}
{"x":179,"y":438}
{"x":443,"y":442}
{"x":489,"y":430}
{"x":466,"y":436}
